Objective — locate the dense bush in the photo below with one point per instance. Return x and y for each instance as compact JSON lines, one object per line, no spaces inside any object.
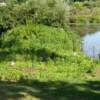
{"x":40,"y":39}
{"x":85,"y":14}
{"x":5,"y":19}
{"x":57,"y":13}
{"x":49,"y":12}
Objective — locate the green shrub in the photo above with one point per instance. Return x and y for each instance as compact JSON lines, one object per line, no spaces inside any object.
{"x":43,"y":41}
{"x":48,"y":12}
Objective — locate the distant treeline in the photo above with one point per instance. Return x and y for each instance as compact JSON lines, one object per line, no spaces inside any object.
{"x":56,"y":13}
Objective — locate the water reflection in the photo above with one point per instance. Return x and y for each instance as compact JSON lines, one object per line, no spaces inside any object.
{"x":91,"y":44}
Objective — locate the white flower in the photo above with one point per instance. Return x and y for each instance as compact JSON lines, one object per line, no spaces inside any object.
{"x":75,"y":53}
{"x":3,"y":4}
{"x":12,"y":63}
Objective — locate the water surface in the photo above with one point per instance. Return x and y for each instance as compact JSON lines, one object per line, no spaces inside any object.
{"x":91,"y":44}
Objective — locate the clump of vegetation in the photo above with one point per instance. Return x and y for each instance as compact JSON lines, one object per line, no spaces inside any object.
{"x":48,"y":12}
{"x":69,"y":66}
{"x":39,"y":46}
{"x":46,"y":39}
{"x":40,"y":39}
{"x":84,"y":14}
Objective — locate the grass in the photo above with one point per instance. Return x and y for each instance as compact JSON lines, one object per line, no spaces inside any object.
{"x":65,"y":78}
{"x":49,"y":90}
{"x":59,"y":80}
{"x":70,"y":67}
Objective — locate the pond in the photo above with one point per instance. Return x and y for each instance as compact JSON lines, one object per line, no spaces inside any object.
{"x":91,"y":44}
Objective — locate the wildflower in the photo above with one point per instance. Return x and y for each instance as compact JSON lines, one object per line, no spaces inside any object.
{"x":75,"y":54}
{"x":3,"y":4}
{"x":12,"y":63}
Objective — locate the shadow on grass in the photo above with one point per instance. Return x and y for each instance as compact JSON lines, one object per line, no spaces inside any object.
{"x":42,"y":54}
{"x":50,"y":90}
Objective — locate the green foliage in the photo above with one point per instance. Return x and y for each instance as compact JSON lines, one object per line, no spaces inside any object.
{"x":85,"y":14}
{"x":57,"y":13}
{"x":83,"y":62}
{"x":5,"y":19}
{"x":49,"y":12}
{"x":69,"y":68}
{"x":42,"y":41}
{"x":37,"y":35}
{"x":44,"y":47}
{"x":30,"y":44}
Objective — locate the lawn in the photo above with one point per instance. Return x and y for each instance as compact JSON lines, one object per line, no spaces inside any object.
{"x":74,"y":76}
{"x":50,"y":90}
{"x":45,"y":81}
